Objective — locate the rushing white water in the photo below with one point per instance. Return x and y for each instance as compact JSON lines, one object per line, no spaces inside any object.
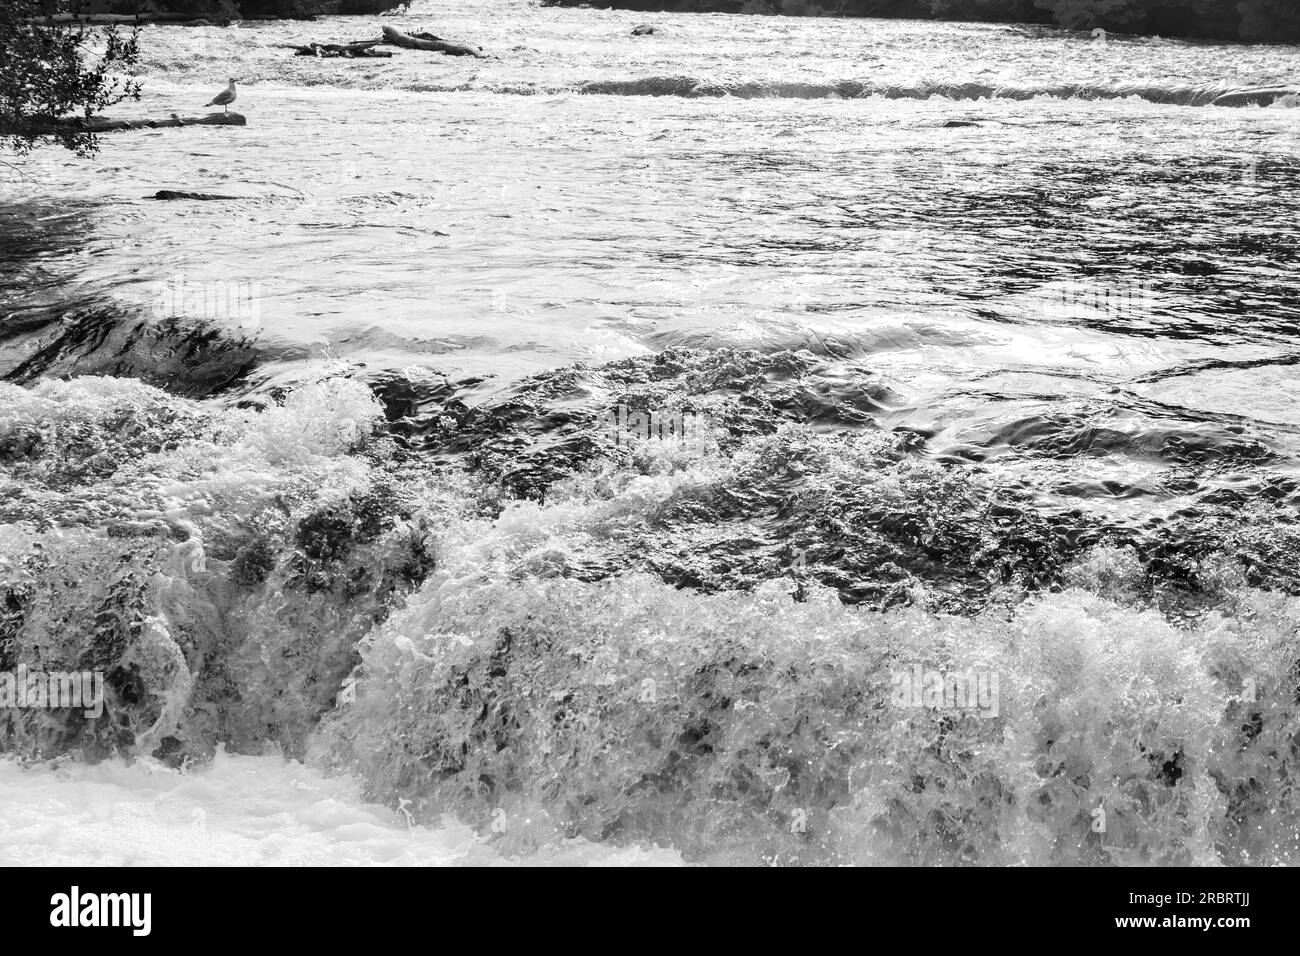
{"x":991,"y":321}
{"x":238,"y":811}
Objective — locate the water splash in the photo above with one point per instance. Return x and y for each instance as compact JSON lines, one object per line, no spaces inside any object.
{"x":750,"y":726}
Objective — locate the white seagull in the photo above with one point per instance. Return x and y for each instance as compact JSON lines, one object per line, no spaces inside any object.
{"x":225,"y":97}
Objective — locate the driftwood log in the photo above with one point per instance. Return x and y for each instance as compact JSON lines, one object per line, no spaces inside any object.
{"x":356,"y":50}
{"x":427,"y":41}
{"x":101,"y":124}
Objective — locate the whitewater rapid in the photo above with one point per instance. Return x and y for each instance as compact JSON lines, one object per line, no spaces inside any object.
{"x":239,"y":811}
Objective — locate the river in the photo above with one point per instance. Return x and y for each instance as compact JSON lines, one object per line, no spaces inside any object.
{"x":995,"y":329}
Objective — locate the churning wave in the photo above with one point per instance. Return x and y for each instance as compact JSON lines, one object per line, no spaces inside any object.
{"x":486,"y":611}
{"x":686,"y":86}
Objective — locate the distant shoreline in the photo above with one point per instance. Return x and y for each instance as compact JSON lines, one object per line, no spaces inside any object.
{"x":222,"y":12}
{"x":1249,"y":21}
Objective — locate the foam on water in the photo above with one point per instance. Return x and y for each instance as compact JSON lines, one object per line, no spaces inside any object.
{"x":145,"y":494}
{"x":717,"y":722}
{"x":239,"y":811}
{"x":288,"y":577}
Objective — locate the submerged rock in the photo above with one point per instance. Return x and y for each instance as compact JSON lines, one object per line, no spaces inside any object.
{"x":180,"y":194}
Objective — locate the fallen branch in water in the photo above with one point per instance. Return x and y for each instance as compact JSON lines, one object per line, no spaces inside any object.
{"x":101,"y":124}
{"x":427,"y":41}
{"x":356,"y":50}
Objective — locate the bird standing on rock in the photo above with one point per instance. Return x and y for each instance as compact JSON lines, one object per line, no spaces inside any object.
{"x":225,"y":97}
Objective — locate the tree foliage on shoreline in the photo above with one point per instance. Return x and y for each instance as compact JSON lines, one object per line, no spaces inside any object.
{"x":1255,"y":20}
{"x":53,"y":73}
{"x":1268,"y":21}
{"x":49,"y":74}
